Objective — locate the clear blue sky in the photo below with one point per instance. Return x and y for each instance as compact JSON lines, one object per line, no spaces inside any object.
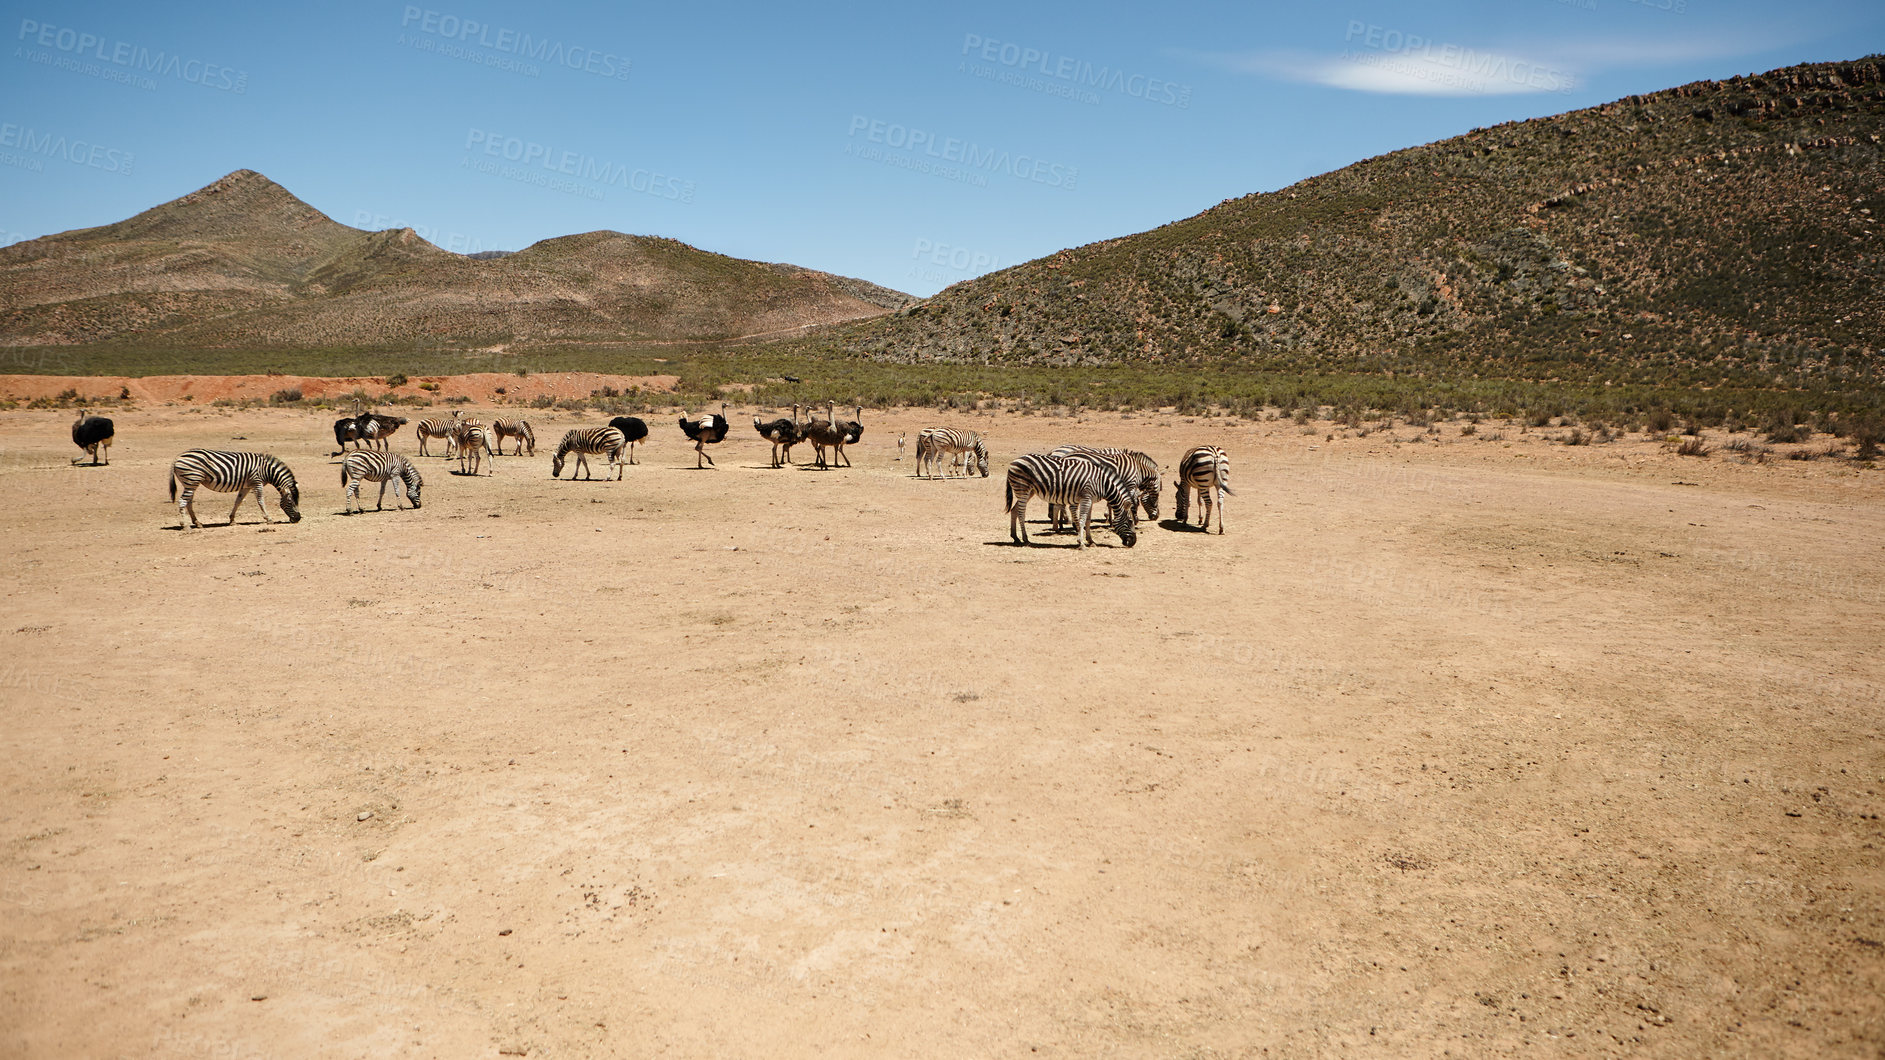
{"x":913,"y":145}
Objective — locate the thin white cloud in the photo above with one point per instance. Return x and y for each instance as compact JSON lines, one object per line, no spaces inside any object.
{"x":1425,"y":69}
{"x":1386,"y":61}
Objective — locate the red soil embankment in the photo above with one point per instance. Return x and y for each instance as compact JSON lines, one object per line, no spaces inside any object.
{"x":481,"y":387}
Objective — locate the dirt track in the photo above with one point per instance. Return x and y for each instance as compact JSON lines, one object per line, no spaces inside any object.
{"x":1460,"y":746}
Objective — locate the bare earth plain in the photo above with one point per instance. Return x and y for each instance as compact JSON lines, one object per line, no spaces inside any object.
{"x":1480,"y":745}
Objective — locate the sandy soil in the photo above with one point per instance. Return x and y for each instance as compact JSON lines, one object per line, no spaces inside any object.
{"x":1488,"y":746}
{"x":507,"y":387}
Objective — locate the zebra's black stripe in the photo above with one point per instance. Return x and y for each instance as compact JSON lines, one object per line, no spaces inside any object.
{"x":237,"y":473}
{"x":1074,"y":482}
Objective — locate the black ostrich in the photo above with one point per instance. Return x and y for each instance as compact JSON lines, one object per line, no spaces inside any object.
{"x":633,"y":429}
{"x":827,"y":434}
{"x":853,"y":429}
{"x":347,"y":429}
{"x":93,"y":434}
{"x":705,"y":431}
{"x":783,"y":434}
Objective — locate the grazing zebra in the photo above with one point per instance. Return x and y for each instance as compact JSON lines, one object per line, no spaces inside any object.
{"x":236,"y":473}
{"x":1139,"y":469}
{"x":1207,"y":470}
{"x":518,"y":429}
{"x":437,"y":428}
{"x":381,"y":468}
{"x":474,"y":444}
{"x":1074,"y":482}
{"x":964,"y":447}
{"x":584,"y":441}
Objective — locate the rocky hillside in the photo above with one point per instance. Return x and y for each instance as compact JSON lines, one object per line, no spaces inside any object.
{"x":243,"y":262}
{"x":1721,"y":233}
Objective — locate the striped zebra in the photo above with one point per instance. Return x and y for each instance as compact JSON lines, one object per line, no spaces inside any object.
{"x":473,"y":440}
{"x":437,"y":428}
{"x":237,"y":473}
{"x":1074,"y":482}
{"x":584,"y":441}
{"x":381,"y":468}
{"x":1139,"y":469}
{"x":518,"y":429}
{"x":965,"y":449}
{"x":1205,"y":469}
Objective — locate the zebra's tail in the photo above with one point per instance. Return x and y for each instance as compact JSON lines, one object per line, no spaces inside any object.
{"x":173,"y":485}
{"x":1008,"y":490}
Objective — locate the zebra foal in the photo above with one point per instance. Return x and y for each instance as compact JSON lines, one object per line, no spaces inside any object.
{"x":1205,"y":469}
{"x":584,"y":441}
{"x":382,"y":468}
{"x":237,"y":473}
{"x":1075,"y":483}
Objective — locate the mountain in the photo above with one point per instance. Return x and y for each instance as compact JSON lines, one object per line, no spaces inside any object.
{"x":1721,"y":233}
{"x":243,"y":262}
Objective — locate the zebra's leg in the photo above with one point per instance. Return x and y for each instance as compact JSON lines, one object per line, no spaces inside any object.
{"x":187,"y":503}
{"x":1083,"y":522}
{"x":242,"y":494}
{"x":1018,"y":517}
{"x":380,"y":505}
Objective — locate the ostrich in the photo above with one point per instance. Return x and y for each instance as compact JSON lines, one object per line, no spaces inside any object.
{"x":347,"y":429}
{"x":853,"y":429}
{"x":783,"y":434}
{"x":705,"y":431}
{"x":93,"y":434}
{"x":826,"y":432}
{"x":633,"y":430}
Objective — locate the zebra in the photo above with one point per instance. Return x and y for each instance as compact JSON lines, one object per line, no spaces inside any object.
{"x":474,"y":444}
{"x":964,"y":448}
{"x":584,"y":441}
{"x":1140,"y":470}
{"x":437,"y":428}
{"x":1207,"y":470}
{"x":518,"y":429}
{"x":381,"y":468}
{"x":1070,"y":481}
{"x":237,"y":473}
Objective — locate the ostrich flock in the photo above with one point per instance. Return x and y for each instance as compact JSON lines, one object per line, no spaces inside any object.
{"x":1071,"y":480}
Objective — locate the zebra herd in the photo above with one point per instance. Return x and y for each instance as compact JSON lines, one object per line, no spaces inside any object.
{"x":1071,"y":479}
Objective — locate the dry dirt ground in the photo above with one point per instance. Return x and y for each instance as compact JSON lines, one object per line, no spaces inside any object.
{"x":1477,"y":745}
